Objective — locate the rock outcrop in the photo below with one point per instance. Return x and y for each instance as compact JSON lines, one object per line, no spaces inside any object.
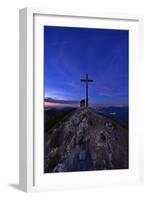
{"x":86,"y":140}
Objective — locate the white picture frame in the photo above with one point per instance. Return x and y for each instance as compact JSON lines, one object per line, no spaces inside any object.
{"x":31,"y":91}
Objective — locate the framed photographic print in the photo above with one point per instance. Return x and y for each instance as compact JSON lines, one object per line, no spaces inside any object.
{"x":80,"y":99}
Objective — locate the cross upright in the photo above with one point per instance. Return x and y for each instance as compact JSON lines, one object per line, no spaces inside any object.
{"x":86,"y":81}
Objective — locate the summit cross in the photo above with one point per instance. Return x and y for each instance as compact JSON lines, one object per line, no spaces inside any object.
{"x":86,"y":81}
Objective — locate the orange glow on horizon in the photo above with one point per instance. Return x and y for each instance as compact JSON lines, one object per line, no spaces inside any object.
{"x":52,"y":104}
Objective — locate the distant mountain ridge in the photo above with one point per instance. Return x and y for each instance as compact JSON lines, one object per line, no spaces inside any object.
{"x":118,"y":113}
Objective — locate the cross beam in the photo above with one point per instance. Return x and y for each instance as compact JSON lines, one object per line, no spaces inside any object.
{"x":86,"y":81}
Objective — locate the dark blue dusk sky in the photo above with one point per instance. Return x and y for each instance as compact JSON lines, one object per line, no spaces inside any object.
{"x":71,"y":53}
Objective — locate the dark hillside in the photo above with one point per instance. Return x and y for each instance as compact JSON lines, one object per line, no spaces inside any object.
{"x":52,"y":116}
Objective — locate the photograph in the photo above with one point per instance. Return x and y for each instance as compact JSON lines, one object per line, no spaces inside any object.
{"x":86,"y":99}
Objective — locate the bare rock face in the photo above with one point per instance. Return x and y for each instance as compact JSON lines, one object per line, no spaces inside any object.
{"x":84,"y":141}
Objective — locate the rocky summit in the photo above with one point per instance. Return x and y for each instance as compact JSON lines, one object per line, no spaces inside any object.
{"x":86,"y":140}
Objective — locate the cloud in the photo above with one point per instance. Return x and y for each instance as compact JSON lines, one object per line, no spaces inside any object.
{"x":105,"y":94}
{"x":105,"y":90}
{"x":50,"y":102}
